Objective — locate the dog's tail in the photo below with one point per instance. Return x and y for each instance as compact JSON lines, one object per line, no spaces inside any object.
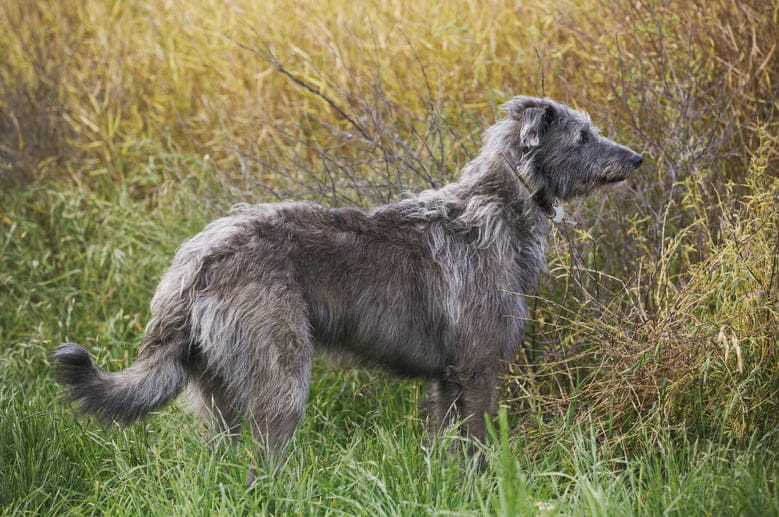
{"x":148,"y":384}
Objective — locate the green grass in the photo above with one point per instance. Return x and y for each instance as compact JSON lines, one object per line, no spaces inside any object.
{"x":364,"y":455}
{"x":362,"y":448}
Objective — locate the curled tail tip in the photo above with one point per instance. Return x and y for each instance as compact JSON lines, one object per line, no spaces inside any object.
{"x":123,"y":396}
{"x":65,"y":351}
{"x":72,"y":364}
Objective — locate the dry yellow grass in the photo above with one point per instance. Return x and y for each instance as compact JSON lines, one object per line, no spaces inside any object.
{"x":175,"y":72}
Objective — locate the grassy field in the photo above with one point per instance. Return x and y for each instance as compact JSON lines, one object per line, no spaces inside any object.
{"x":648,"y":382}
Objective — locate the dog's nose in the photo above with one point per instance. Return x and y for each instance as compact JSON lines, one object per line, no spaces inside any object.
{"x":637,"y":160}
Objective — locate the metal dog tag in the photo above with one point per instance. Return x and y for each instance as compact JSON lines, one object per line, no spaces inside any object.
{"x":559,"y":213}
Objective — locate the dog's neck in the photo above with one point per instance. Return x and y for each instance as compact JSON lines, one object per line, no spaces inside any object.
{"x":548,"y":205}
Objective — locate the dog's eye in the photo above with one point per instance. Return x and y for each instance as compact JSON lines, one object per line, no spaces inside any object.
{"x":584,"y":136}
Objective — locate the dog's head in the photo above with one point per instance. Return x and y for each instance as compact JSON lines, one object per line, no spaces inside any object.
{"x":561,"y":150}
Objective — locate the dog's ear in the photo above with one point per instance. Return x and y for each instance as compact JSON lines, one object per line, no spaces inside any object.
{"x":534,"y":116}
{"x":533,"y":124}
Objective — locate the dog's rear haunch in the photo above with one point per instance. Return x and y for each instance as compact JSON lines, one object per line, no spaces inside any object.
{"x":430,"y":287}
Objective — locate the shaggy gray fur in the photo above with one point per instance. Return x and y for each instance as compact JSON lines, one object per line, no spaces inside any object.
{"x":430,"y":287}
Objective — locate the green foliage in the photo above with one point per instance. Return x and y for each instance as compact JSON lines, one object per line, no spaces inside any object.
{"x":648,"y":380}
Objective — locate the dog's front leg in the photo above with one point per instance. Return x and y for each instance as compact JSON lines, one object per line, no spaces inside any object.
{"x":476,"y":402}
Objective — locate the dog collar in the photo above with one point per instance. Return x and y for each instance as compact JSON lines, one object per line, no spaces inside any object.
{"x":547,"y":206}
{"x":559,"y":213}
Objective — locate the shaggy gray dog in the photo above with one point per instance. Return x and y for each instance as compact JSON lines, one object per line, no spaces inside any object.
{"x":432,"y":287}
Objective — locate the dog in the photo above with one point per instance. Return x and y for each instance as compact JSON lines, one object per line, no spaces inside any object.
{"x":431,"y":287}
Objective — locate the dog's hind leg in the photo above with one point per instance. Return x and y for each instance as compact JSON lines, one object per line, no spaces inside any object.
{"x":256,"y":351}
{"x":277,"y":406}
{"x":209,"y":397}
{"x":280,"y":358}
